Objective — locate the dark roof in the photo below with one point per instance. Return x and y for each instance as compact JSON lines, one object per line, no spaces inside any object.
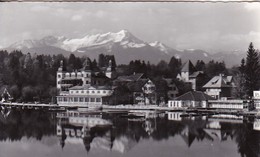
{"x":100,"y":75}
{"x":136,"y":86}
{"x":196,"y":74}
{"x":195,"y":96}
{"x":85,"y":87}
{"x":134,"y":77}
{"x":219,"y":82}
{"x":188,"y":67}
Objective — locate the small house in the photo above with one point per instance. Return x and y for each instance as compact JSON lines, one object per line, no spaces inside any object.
{"x":220,"y":86}
{"x":192,"y":99}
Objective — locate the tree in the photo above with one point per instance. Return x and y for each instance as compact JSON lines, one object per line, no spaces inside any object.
{"x":101,"y":60}
{"x":239,"y":79}
{"x":174,"y":66}
{"x":252,"y":70}
{"x":200,"y":65}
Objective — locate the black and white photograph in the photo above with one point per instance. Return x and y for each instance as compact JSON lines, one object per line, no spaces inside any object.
{"x":130,"y":79}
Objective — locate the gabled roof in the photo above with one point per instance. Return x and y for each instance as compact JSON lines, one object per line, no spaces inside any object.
{"x":100,"y":75}
{"x":136,"y":86}
{"x":86,"y":87}
{"x":188,"y":67}
{"x":195,"y":96}
{"x":196,"y":74}
{"x":133,"y":77}
{"x":219,"y":82}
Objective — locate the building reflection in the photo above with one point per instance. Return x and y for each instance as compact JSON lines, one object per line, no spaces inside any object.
{"x":120,"y":132}
{"x":94,"y":130}
{"x":75,"y":127}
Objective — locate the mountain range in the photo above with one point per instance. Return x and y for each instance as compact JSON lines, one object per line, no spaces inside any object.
{"x":123,"y":44}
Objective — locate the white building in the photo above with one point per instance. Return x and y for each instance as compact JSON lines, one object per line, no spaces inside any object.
{"x":220,"y":86}
{"x":192,"y":99}
{"x":190,"y":74}
{"x":256,"y":98}
{"x":84,"y":96}
{"x":228,"y":104}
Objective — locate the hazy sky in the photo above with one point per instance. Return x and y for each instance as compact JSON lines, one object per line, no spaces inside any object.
{"x":208,"y":26}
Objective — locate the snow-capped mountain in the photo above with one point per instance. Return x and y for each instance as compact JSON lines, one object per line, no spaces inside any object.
{"x":46,"y":41}
{"x":124,"y":38}
{"x":123,"y":44}
{"x":164,"y":48}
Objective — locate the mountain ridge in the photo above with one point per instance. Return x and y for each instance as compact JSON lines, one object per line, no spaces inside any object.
{"x":123,"y":44}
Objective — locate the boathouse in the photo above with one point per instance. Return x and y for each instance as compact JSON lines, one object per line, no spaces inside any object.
{"x":192,"y":99}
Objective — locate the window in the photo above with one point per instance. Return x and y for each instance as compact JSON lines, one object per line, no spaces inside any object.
{"x":98,"y":91}
{"x":86,"y":99}
{"x":93,"y":91}
{"x":98,"y":100}
{"x":71,"y":92}
{"x":65,"y":99}
{"x":59,"y":76}
{"x":75,"y":99}
{"x":104,"y":91}
{"x":87,"y":92}
{"x":80,"y":99}
{"x":87,"y":82}
{"x":92,"y":99}
{"x":77,"y":91}
{"x":82,"y":91}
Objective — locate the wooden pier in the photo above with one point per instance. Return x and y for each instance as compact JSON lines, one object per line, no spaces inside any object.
{"x":30,"y":105}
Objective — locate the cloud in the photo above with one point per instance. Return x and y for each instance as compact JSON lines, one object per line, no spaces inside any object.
{"x":76,"y":18}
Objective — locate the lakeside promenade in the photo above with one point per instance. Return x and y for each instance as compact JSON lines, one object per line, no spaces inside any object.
{"x":109,"y":108}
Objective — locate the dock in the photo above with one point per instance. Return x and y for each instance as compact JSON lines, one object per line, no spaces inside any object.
{"x":126,"y":108}
{"x":30,"y":105}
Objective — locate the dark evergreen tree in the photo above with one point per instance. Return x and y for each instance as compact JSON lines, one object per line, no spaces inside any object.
{"x":200,"y":65}
{"x":101,"y":60}
{"x":174,"y":66}
{"x":239,"y":80}
{"x":252,"y":70}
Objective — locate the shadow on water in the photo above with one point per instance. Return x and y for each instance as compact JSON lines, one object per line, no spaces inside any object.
{"x":108,"y":130}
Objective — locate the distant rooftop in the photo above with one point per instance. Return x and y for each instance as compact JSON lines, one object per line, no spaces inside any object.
{"x":136,"y":86}
{"x":89,"y":87}
{"x":195,"y":96}
{"x":219,"y":82}
{"x":188,"y":67}
{"x":133,"y":77}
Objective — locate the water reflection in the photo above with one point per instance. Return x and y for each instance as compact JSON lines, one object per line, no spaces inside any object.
{"x":126,"y":132}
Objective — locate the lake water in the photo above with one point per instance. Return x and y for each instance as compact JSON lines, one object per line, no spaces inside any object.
{"x":37,"y":133}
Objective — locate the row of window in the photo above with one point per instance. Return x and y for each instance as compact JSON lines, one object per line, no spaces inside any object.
{"x":88,"y":92}
{"x":78,"y":99}
{"x":174,"y":115}
{"x":174,"y":104}
{"x":235,"y":106}
{"x":74,"y":75}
